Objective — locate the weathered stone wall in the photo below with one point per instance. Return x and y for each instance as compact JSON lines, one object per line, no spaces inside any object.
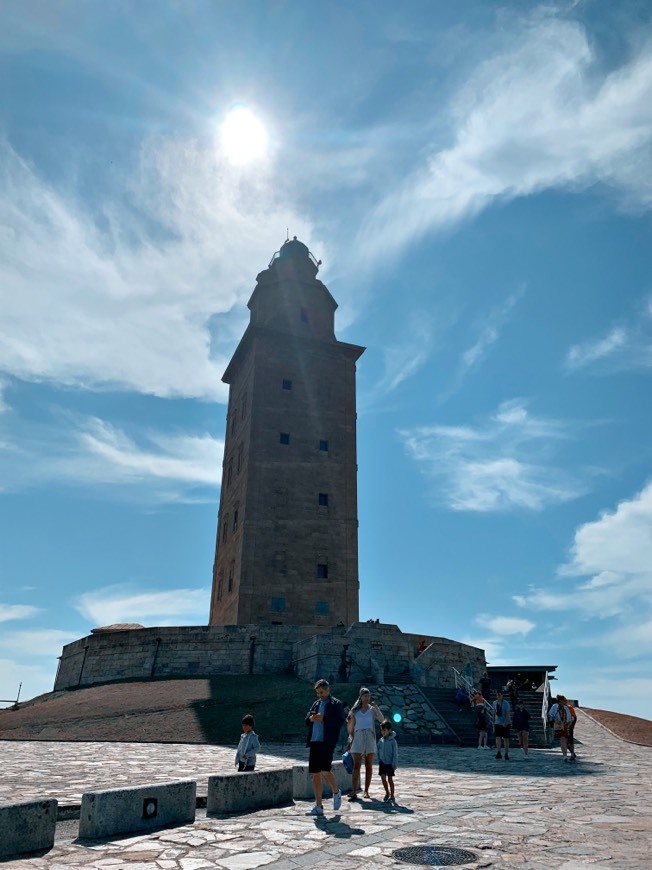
{"x":419,"y":721}
{"x":433,"y":667}
{"x":363,"y":653}
{"x":380,"y":653}
{"x":180,"y":651}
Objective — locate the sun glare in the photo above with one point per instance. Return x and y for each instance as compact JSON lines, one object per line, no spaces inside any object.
{"x":243,"y":136}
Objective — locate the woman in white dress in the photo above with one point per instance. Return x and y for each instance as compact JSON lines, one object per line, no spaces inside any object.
{"x":362,"y":734}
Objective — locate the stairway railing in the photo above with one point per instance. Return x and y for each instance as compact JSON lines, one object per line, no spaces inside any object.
{"x":462,"y":682}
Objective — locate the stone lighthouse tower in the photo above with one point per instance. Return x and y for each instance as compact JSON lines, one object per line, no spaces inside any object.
{"x":287,"y":537}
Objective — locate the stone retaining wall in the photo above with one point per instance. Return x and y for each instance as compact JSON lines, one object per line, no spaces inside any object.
{"x":419,"y":721}
{"x":365,"y":652}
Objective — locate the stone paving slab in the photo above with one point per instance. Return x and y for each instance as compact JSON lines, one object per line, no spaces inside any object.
{"x":534,"y":813}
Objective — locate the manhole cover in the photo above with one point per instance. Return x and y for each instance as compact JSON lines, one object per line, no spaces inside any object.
{"x":434,"y":856}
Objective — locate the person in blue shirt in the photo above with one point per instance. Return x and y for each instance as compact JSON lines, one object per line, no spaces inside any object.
{"x":502,"y":716}
{"x":324,"y":720}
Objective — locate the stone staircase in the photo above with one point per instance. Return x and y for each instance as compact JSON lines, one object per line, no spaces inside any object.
{"x":459,"y":721}
{"x":462,"y":721}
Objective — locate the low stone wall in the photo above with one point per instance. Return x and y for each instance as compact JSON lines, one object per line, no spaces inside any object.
{"x":27,"y":827}
{"x":245,"y":792}
{"x":137,"y":808}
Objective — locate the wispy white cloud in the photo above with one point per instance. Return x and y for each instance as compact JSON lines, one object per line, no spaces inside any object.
{"x":581,"y":355}
{"x":404,"y":358}
{"x":488,"y":333}
{"x":498,"y":465}
{"x":4,"y":407}
{"x":123,"y":293}
{"x":627,"y":346}
{"x":540,"y":113}
{"x":92,"y":452}
{"x":17,"y":611}
{"x":507,"y":625}
{"x":125,"y":604}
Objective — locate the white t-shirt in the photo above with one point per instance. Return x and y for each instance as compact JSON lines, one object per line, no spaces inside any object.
{"x":364,"y":720}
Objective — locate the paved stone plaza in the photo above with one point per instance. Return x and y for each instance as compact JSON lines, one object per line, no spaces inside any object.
{"x":538,"y":813}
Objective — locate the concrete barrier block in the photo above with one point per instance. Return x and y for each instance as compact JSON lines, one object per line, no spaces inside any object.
{"x":302,"y":781}
{"x":27,"y":827}
{"x":138,"y":808}
{"x":242,"y":792}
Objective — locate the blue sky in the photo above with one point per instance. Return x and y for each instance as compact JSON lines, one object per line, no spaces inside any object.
{"x":477,"y":179}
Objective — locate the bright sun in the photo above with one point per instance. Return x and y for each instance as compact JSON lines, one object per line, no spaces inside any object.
{"x":243,"y":136}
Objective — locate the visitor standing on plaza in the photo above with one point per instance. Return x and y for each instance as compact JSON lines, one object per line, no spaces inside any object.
{"x":485,"y":686}
{"x":480,"y":715}
{"x":324,"y":720}
{"x":387,"y":759}
{"x":249,"y":745}
{"x":362,"y":733}
{"x":521,"y":723}
{"x":502,"y":716}
{"x":561,"y":718}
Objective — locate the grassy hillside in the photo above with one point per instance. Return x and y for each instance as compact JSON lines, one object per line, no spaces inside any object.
{"x":205,"y":710}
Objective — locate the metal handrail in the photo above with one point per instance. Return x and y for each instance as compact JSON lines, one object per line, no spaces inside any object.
{"x":463,"y":682}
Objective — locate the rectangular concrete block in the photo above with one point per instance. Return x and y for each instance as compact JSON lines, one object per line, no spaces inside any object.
{"x":137,"y":808}
{"x":242,"y":792}
{"x":27,"y":827}
{"x":302,"y":781}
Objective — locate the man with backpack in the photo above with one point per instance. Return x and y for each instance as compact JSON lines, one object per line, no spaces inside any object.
{"x":562,"y":723}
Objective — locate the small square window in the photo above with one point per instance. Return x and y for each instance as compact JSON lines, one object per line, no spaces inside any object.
{"x":322,"y":571}
{"x":304,"y":315}
{"x":322,"y":608}
{"x":284,"y":437}
{"x":323,"y":499}
{"x":323,"y":445}
{"x":278,"y":605}
{"x":287,"y":384}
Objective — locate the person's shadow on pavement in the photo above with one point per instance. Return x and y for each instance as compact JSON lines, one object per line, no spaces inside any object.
{"x":335,"y":827}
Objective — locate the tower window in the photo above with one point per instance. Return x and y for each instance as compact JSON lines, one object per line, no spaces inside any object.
{"x":323,"y":499}
{"x":239,"y":465}
{"x":235,"y":520}
{"x":284,"y":437}
{"x":323,"y":446}
{"x":322,"y":571}
{"x":225,"y":527}
{"x":231,"y":573}
{"x":220,"y":587}
{"x":322,"y":608}
{"x":278,"y":605}
{"x":304,"y":315}
{"x":287,"y":384}
{"x":229,"y":474}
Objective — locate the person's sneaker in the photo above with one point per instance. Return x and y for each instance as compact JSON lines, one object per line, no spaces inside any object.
{"x":507,"y":756}
{"x":499,"y":755}
{"x":386,"y":798}
{"x":316,"y":811}
{"x":337,"y":800}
